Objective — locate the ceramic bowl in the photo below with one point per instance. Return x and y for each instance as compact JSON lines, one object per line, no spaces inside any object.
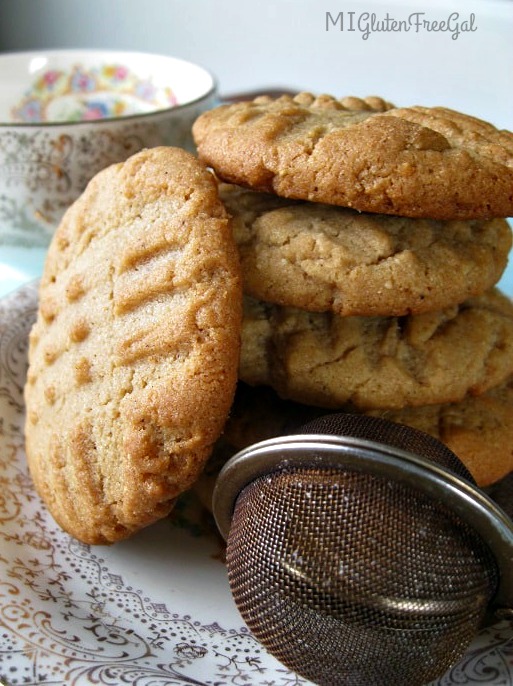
{"x":66,"y":114}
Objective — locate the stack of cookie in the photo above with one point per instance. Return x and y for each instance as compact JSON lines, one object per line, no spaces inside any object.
{"x":371,"y":240}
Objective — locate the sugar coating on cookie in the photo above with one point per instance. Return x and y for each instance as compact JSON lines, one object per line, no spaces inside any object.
{"x":327,"y":360}
{"x":133,"y":357}
{"x":412,"y":161}
{"x":324,"y":258}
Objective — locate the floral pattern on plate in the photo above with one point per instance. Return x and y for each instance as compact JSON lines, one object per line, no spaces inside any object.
{"x":152,"y":610}
{"x":155,"y":609}
{"x":86,"y":94}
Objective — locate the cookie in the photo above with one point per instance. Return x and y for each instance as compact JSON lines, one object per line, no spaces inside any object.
{"x":413,"y":161}
{"x":256,"y":415}
{"x":323,"y":359}
{"x":479,"y":430}
{"x":133,"y":357}
{"x":324,"y":258}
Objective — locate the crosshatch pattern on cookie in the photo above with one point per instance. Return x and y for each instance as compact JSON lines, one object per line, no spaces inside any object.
{"x":133,"y":358}
{"x":410,"y":161}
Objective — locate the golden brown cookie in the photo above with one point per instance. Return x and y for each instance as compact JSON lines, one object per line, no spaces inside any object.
{"x":479,"y":430}
{"x":256,"y":415}
{"x":133,"y":358}
{"x":323,"y":258}
{"x":323,"y":359}
{"x":413,"y":161}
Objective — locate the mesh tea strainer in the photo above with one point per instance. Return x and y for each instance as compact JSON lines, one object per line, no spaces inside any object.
{"x":360,"y":552}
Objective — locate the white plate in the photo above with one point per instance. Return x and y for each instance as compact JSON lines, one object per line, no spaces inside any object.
{"x":152,"y":611}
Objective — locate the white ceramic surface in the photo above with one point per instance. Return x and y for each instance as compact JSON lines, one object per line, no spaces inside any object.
{"x":66,"y":114}
{"x":155,"y":610}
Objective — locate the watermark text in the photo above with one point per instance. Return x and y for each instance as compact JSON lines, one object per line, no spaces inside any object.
{"x":367,"y":23}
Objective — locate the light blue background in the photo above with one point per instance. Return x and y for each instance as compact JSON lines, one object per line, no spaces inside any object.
{"x":284,"y":43}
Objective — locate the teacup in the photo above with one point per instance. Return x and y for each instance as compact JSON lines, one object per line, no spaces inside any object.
{"x":66,"y":114}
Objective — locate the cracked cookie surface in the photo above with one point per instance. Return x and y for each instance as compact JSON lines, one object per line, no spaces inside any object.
{"x":327,"y":360}
{"x":133,"y":357}
{"x":323,"y":258}
{"x":412,"y":161}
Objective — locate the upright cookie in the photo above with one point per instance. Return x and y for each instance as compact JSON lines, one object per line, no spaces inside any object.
{"x":323,"y":359}
{"x":413,"y":161}
{"x":133,"y":358}
{"x":323,"y":258}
